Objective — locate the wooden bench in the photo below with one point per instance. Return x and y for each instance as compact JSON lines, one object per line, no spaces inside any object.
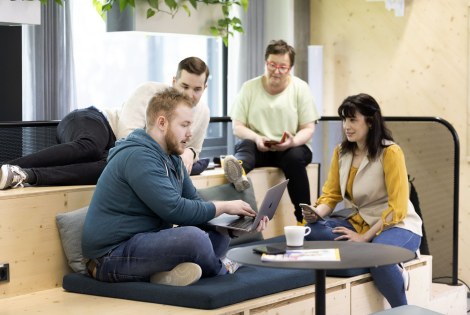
{"x":30,"y":244}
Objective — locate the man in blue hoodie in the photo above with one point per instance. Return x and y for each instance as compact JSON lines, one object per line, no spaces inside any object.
{"x":145,"y":221}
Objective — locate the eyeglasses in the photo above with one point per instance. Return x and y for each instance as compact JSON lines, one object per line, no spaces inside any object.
{"x":273,"y":67}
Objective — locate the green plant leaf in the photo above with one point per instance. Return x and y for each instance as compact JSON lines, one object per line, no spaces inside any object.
{"x":123,"y":4}
{"x":153,"y":3}
{"x":185,"y":7}
{"x":171,"y":4}
{"x":150,"y":12}
{"x":193,"y":3}
{"x":245,"y":4}
{"x":238,"y":29}
{"x":236,"y":20}
{"x":107,"y":6}
{"x":214,"y":31}
{"x":225,"y":10}
{"x":222,"y":22}
{"x":223,"y":28}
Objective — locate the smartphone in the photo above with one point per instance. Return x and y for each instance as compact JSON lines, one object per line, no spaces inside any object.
{"x":309,"y":208}
{"x":269,"y":143}
{"x":268,"y":249}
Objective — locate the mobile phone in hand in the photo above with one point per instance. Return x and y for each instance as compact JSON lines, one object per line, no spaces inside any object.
{"x":269,"y":143}
{"x":310,"y":209}
{"x":268,"y":249}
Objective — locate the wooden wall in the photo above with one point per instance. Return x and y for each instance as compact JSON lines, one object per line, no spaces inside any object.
{"x":415,"y":65}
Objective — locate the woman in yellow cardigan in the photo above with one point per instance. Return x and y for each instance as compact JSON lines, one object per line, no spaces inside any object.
{"x":368,"y":173}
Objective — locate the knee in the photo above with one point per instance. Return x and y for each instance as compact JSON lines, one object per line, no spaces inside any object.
{"x":297,"y":156}
{"x":193,"y":237}
{"x":245,"y":151}
{"x":94,"y":150}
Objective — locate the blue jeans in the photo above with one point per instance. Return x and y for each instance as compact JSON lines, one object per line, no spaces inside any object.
{"x":147,"y":253}
{"x":388,"y":279}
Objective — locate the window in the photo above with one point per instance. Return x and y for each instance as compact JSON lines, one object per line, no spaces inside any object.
{"x":110,"y":65}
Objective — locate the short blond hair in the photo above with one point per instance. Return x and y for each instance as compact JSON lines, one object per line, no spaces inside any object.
{"x":164,"y":104}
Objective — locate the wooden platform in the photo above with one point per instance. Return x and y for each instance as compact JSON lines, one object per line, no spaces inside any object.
{"x":355,"y":295}
{"x":29,"y":239}
{"x":29,"y":242}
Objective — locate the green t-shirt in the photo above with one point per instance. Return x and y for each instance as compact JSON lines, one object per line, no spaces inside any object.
{"x":270,"y":115}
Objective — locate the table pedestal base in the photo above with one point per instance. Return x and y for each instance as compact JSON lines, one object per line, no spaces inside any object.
{"x":320,"y":292}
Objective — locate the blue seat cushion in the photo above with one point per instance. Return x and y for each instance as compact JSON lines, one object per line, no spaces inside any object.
{"x":208,"y":293}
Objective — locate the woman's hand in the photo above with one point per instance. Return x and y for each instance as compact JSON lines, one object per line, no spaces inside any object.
{"x":263,"y":224}
{"x":348,"y":235}
{"x":309,"y":215}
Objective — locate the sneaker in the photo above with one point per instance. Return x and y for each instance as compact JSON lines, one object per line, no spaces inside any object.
{"x":182,"y":275}
{"x":12,"y":176}
{"x":235,"y":173}
{"x":230,"y":265}
{"x":406,"y":276}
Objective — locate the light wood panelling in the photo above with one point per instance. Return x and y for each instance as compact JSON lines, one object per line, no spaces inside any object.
{"x":416,"y":65}
{"x":29,"y":238}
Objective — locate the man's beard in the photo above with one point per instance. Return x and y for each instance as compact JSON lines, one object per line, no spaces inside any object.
{"x":172,"y":144}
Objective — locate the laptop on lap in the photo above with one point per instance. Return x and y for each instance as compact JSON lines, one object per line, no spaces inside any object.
{"x":248,"y":224}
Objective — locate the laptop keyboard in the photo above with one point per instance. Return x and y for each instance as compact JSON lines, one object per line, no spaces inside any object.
{"x":242,"y":223}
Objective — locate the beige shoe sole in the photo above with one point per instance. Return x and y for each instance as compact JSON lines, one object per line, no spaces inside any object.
{"x":234,"y":173}
{"x":182,"y":275}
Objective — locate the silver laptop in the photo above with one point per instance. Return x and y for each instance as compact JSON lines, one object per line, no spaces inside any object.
{"x":249,"y":224}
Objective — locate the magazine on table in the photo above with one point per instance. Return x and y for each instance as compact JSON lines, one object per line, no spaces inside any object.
{"x":318,"y":254}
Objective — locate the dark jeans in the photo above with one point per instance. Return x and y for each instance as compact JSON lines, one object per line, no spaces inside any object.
{"x":147,"y":253}
{"x":84,"y":138}
{"x":293,"y":163}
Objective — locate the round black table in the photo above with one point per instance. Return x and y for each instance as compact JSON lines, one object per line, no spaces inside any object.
{"x":352,"y":255}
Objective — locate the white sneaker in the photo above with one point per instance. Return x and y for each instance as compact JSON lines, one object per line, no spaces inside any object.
{"x":235,"y":173}
{"x":230,"y":265}
{"x":182,"y":275}
{"x":11,"y":176}
{"x":406,"y":276}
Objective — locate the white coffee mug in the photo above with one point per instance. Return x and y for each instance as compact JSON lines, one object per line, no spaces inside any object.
{"x":295,"y":234}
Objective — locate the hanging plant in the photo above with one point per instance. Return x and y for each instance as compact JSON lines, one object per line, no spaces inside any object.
{"x":225,"y":26}
{"x":56,"y":1}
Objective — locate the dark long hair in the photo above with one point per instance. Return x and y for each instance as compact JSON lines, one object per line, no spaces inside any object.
{"x":367,"y":106}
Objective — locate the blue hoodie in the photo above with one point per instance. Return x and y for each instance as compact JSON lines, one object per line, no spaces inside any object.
{"x":142,"y":189}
